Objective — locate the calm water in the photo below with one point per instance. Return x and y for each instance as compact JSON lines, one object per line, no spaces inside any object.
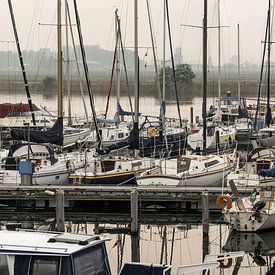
{"x":187,"y":244}
{"x":259,"y":249}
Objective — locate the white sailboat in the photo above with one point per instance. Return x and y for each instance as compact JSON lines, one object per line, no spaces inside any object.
{"x":250,"y":214}
{"x":192,"y":170}
{"x":223,"y":137}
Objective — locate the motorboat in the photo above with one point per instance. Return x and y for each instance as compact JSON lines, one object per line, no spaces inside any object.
{"x":33,"y":252}
{"x":189,"y":170}
{"x":27,"y":252}
{"x":251,"y":213}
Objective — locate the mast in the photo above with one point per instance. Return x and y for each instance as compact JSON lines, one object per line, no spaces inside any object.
{"x":163,"y":58}
{"x":59,"y":63}
{"x":268,"y":116}
{"x":86,"y":70}
{"x":154,"y":50}
{"x":77,"y":63}
{"x":118,"y":71}
{"x":239,"y":68}
{"x":21,"y":62}
{"x":204,"y":77}
{"x":173,"y":64}
{"x":136,"y":73}
{"x":219,"y":59}
{"x":68,"y":65}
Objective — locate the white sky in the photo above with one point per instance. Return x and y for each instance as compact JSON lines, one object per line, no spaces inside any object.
{"x":97,"y":19}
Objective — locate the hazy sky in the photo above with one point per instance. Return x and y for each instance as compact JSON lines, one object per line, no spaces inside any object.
{"x":97,"y":19}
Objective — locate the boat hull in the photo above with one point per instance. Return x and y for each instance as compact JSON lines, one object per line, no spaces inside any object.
{"x":241,"y":221}
{"x":214,"y":178}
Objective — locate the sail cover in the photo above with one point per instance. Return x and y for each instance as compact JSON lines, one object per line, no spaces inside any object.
{"x":53,"y":135}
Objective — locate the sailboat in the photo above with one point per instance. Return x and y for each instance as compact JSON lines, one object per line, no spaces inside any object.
{"x":251,"y":213}
{"x":45,"y":166}
{"x":58,"y":134}
{"x":156,"y":137}
{"x":189,"y":170}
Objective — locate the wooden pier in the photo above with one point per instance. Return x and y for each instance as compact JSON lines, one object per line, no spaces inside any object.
{"x":155,"y":205}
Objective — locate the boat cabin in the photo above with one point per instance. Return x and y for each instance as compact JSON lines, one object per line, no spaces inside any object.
{"x":40,"y":253}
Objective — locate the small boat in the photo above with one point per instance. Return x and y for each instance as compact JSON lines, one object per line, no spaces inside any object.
{"x":112,"y":170}
{"x":255,"y":169}
{"x":249,"y":214}
{"x":32,"y":252}
{"x":39,"y":253}
{"x":192,"y":170}
{"x":47,"y":167}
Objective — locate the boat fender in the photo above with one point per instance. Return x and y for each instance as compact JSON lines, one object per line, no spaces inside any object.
{"x":152,"y":132}
{"x":221,"y":198}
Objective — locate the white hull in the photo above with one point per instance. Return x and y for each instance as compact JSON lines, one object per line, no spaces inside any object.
{"x":200,"y":179}
{"x":48,"y":177}
{"x":241,"y":221}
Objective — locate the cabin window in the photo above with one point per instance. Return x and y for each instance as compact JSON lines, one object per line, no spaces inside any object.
{"x":183,"y":165}
{"x":6,"y":264}
{"x":211,"y":163}
{"x":44,"y":266}
{"x":92,"y":260}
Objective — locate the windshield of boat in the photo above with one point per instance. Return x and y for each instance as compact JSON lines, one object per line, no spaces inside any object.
{"x":92,"y":260}
{"x":23,"y":265}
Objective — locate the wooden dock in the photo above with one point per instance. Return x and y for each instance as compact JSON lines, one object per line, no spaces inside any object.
{"x":110,"y":203}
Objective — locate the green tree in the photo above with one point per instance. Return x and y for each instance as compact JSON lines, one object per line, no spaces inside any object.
{"x":184,"y":75}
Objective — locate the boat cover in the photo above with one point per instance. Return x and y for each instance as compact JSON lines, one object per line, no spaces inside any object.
{"x":53,"y":135}
{"x":268,"y":172}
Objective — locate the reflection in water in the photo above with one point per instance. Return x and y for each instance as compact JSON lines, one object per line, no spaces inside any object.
{"x":259,"y":247}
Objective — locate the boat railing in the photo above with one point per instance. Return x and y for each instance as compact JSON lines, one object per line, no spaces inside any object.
{"x":35,"y":248}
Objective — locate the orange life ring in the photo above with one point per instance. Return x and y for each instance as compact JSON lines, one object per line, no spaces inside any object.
{"x":221,"y":198}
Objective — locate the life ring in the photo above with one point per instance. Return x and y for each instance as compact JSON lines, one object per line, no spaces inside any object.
{"x":221,"y":198}
{"x":152,"y":132}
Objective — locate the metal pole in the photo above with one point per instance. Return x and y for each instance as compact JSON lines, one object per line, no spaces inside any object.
{"x":204,"y":74}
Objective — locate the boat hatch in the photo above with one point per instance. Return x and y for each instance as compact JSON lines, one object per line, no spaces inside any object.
{"x":73,"y":239}
{"x":107,"y":165}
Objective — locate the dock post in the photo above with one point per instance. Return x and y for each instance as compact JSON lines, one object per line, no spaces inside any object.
{"x":192,"y":116}
{"x":205,"y":224}
{"x":135,"y":249}
{"x":60,"y":213}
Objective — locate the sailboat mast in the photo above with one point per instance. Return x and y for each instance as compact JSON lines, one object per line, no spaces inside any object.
{"x":136,"y":75}
{"x":204,"y":77}
{"x":118,"y":71}
{"x":239,"y":67}
{"x":163,"y":58}
{"x":21,"y":62}
{"x":68,"y":64}
{"x":59,"y":63}
{"x":268,"y":110}
{"x":219,"y":59}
